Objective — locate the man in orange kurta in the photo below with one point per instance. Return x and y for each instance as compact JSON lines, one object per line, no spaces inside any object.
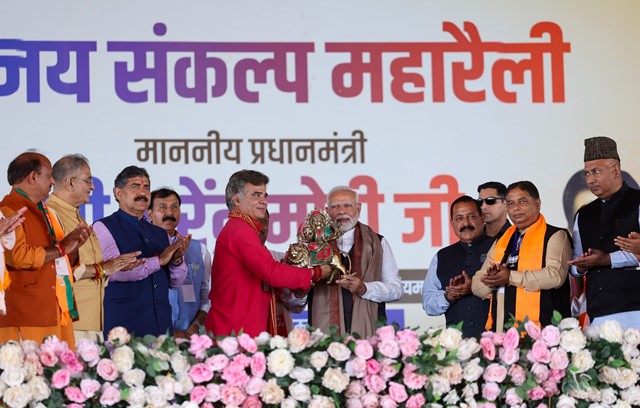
{"x":243,"y":269}
{"x":39,"y":299}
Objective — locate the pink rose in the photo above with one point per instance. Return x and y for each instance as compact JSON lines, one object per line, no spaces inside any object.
{"x":533,"y":330}
{"x":370,"y":400}
{"x":198,"y":394}
{"x":107,"y":370}
{"x":89,"y":351}
{"x":75,"y":394}
{"x":198,"y":345}
{"x":518,"y":374}
{"x":355,"y":389}
{"x":551,"y":336}
{"x":509,"y":356}
{"x":490,"y":391}
{"x":397,"y":392}
{"x":356,"y":368}
{"x":89,"y":387}
{"x":411,"y":379}
{"x":415,"y":401}
{"x":247,"y":343}
{"x":232,"y":395}
{"x":217,"y":362}
{"x":110,"y":395}
{"x":497,"y":338}
{"x":363,"y":349}
{"x":488,"y":348}
{"x":374,"y":383}
{"x":207,"y":405}
{"x":354,"y":403}
{"x":252,"y":401}
{"x":74,"y":405}
{"x":495,"y":373}
{"x":298,"y":339}
{"x":242,"y":359}
{"x":235,"y":374}
{"x":254,"y":386}
{"x":539,"y":353}
{"x":511,"y":397}
{"x":408,"y":341}
{"x":389,"y":348}
{"x":60,"y":378}
{"x":389,"y":368}
{"x":68,"y":357}
{"x":511,"y":339}
{"x":200,"y":373}
{"x":387,"y":402}
{"x":540,"y":372}
{"x":373,"y":366}
{"x":213,"y":392}
{"x":258,"y":364}
{"x":556,"y":375}
{"x":550,"y":388}
{"x":229,"y":346}
{"x":536,"y":393}
{"x":48,"y":358}
{"x":386,"y":333}
{"x":559,"y":359}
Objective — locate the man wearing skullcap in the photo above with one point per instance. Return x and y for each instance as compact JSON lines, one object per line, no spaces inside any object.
{"x":612,"y":272}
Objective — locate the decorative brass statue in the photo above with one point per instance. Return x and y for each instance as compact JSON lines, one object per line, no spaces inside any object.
{"x":316,"y":245}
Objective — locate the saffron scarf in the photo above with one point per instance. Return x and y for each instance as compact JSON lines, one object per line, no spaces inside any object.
{"x":529,"y":258}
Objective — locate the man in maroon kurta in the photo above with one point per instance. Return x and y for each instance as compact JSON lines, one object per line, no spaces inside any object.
{"x":243,"y":268}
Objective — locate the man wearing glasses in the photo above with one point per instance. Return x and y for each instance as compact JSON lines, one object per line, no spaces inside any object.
{"x":72,"y":187}
{"x":603,"y":231}
{"x":491,"y":196}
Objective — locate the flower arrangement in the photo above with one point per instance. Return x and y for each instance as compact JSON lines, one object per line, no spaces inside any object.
{"x":558,"y":365}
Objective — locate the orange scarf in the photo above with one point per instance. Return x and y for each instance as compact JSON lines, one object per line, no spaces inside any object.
{"x":529,"y":258}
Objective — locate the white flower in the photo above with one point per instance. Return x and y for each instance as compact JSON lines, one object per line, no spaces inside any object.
{"x":451,"y":398}
{"x":300,"y":392}
{"x":39,"y":388}
{"x":630,"y":351}
{"x":167,"y":385}
{"x":280,"y":362}
{"x":185,"y":384}
{"x":632,"y":336}
{"x":119,"y":334}
{"x":608,"y":396}
{"x":468,"y":347}
{"x":142,"y":349}
{"x":339,"y":351}
{"x":288,"y":403}
{"x":160,"y":355}
{"x":608,"y":375}
{"x":569,"y":323}
{"x":263,"y":339}
{"x":626,"y":378}
{"x":440,"y":385}
{"x":301,"y":374}
{"x":450,"y":338}
{"x":123,"y":358}
{"x":592,"y":333}
{"x":318,"y":359}
{"x":13,"y":376}
{"x":572,"y":340}
{"x":335,"y":379}
{"x":17,"y":397}
{"x":271,"y":393}
{"x":611,"y":331}
{"x":582,"y":360}
{"x":154,"y":396}
{"x":11,"y":355}
{"x":472,"y":371}
{"x":136,"y":397}
{"x":470,"y":391}
{"x":320,"y":401}
{"x":565,"y":401}
{"x":631,"y":395}
{"x":278,"y":342}
{"x":179,"y":362}
{"x":134,"y":377}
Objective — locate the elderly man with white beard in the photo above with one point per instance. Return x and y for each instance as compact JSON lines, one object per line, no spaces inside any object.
{"x":356,"y":301}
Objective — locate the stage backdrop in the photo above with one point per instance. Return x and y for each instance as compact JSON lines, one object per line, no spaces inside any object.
{"x":412,"y":103}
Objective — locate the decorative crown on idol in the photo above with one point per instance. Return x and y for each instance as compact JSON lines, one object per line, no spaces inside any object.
{"x":317,"y":245}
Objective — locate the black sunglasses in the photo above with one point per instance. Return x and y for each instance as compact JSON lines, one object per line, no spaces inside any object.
{"x":489,"y":200}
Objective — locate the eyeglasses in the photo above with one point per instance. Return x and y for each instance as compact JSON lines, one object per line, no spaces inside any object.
{"x":489,"y":200}
{"x":89,"y":181}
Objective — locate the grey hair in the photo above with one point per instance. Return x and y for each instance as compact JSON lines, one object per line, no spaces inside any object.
{"x":237,"y":182}
{"x":68,"y":166}
{"x":339,"y":189}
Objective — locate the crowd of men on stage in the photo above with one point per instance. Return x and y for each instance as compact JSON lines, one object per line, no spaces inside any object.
{"x":134,"y":269}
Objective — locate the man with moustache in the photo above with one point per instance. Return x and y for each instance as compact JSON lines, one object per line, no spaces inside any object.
{"x":525,"y":273}
{"x":73,"y":184}
{"x":190,"y":303}
{"x":491,"y":196}
{"x":447,"y":285}
{"x":138,"y":299}
{"x":358,"y":300}
{"x":244,"y":271}
{"x":604,"y":231}
{"x":40,"y":299}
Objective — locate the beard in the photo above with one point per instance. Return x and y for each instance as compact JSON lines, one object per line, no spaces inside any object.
{"x":349,"y":225}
